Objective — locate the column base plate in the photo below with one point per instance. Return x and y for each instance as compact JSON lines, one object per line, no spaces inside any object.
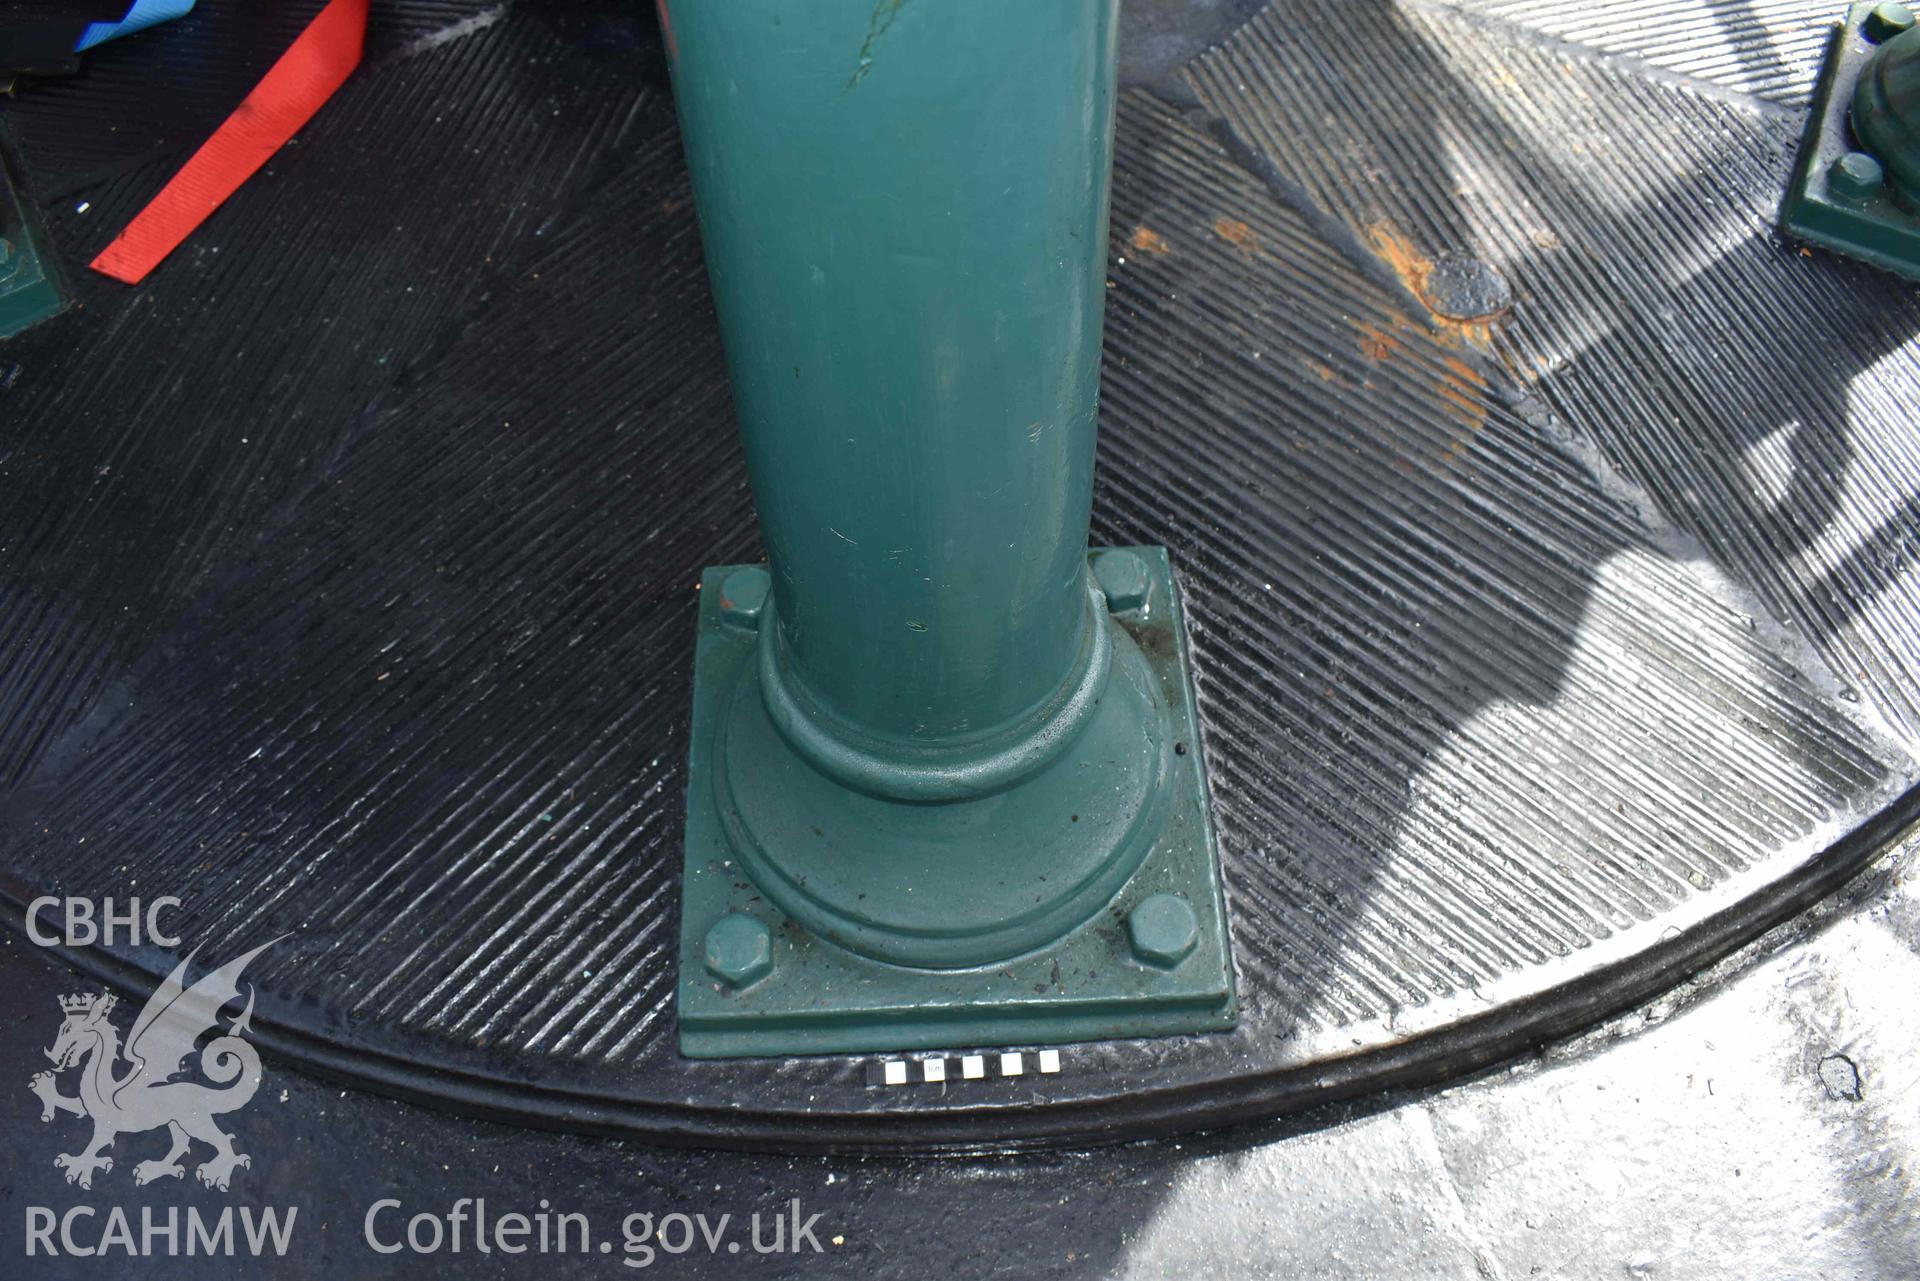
{"x":817,"y":997}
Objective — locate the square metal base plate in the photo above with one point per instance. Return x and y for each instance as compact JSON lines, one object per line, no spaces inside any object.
{"x":29,"y":288}
{"x":1877,"y":231}
{"x":821,"y":999}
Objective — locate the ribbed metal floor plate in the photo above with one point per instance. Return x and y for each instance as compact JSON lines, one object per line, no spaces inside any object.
{"x":347,"y":567}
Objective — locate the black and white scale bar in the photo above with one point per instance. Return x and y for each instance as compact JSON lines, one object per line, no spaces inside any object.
{"x":965,"y":1067}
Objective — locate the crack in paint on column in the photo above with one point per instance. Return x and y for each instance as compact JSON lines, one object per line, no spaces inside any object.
{"x":884,"y":13}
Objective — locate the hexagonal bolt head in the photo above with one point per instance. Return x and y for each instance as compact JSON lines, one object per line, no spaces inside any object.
{"x":1856,"y":177}
{"x":1162,"y":931}
{"x":739,"y":950}
{"x":743,"y":594}
{"x":1887,"y":20}
{"x":1123,"y":577}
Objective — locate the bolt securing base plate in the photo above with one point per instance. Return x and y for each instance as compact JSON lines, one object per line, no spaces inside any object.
{"x":1090,"y":980}
{"x":1838,"y":197}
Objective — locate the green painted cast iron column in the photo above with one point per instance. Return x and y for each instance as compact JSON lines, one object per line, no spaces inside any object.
{"x":920,"y":732}
{"x":1886,"y":112}
{"x":904,"y":209}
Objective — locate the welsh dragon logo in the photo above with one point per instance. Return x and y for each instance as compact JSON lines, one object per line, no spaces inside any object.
{"x":145,"y":1096}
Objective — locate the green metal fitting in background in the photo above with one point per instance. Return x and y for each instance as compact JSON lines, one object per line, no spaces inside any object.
{"x":1856,"y":182}
{"x":29,"y":290}
{"x":936,"y":760}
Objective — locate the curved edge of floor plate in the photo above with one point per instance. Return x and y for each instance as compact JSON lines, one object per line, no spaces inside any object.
{"x":1430,"y":1058}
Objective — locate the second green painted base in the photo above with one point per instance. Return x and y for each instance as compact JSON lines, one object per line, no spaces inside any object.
{"x":1871,"y":227}
{"x":765,"y":984}
{"x":29,"y":291}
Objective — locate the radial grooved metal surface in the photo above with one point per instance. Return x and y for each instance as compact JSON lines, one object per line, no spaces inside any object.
{"x":347,"y":569}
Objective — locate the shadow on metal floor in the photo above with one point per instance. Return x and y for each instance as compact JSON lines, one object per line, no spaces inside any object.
{"x":1553,"y":637}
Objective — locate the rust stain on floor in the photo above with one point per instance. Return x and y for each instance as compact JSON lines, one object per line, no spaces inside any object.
{"x":1377,"y":344}
{"x":1399,"y":253}
{"x":1413,"y":267}
{"x":1148,"y":241}
{"x":1461,"y":390}
{"x":1460,"y":386}
{"x":1238,"y":234}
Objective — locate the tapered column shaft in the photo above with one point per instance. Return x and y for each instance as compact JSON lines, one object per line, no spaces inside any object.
{"x":903,"y":205}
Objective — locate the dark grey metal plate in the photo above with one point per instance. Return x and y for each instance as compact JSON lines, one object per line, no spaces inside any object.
{"x":347,"y":566}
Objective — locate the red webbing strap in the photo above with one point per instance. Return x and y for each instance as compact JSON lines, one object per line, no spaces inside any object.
{"x":306,"y":75}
